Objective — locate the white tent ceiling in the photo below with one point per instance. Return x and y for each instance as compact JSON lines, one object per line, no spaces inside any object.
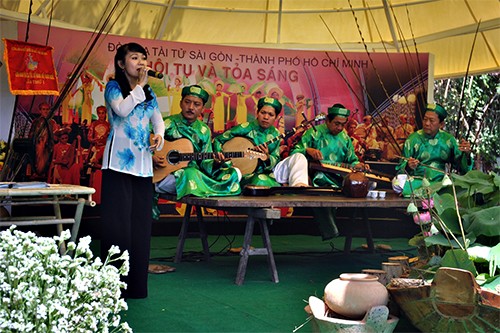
{"x":445,"y":28}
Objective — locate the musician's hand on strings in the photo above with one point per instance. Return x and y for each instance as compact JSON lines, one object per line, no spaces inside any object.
{"x":413,"y":163}
{"x":315,"y":154}
{"x":263,"y":149}
{"x":464,"y":146}
{"x":219,"y":157}
{"x":156,"y":142}
{"x":159,"y":161}
{"x":362,"y":167}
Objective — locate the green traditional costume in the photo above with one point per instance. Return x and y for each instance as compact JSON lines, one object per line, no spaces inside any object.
{"x":335,"y":149}
{"x":200,"y":178}
{"x":251,"y":130}
{"x":435,"y":152}
{"x":263,"y":175}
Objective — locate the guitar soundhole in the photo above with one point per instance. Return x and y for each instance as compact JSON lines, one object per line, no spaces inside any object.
{"x":173,"y":157}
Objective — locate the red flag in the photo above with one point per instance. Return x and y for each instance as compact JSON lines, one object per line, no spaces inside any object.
{"x":30,"y":68}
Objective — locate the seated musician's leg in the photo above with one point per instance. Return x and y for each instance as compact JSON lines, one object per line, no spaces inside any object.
{"x":326,"y":222}
{"x":292,"y":170}
{"x":166,"y":185}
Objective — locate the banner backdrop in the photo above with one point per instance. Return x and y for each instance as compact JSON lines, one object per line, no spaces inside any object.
{"x":30,"y":68}
{"x":393,"y":86}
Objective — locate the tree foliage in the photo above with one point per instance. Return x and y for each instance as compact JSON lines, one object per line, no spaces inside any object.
{"x":473,"y":105}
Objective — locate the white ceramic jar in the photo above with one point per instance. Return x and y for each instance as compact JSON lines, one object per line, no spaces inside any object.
{"x":353,"y":294}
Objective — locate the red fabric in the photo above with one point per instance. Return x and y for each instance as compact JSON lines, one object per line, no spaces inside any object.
{"x":30,"y":68}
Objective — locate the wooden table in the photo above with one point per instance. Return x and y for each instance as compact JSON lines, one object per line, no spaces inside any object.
{"x":265,"y":209}
{"x":55,"y":195}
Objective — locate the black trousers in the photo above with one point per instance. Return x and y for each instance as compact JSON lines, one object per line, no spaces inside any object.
{"x":126,"y":219}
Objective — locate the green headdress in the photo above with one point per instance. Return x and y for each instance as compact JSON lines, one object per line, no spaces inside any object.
{"x":271,"y":102}
{"x":338,"y":111}
{"x":441,"y":112}
{"x":195,"y":91}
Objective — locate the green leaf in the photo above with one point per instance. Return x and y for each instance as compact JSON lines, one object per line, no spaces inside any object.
{"x":485,"y":222}
{"x":496,"y":180}
{"x":443,"y":202}
{"x":440,"y":239}
{"x":476,"y":181}
{"x":450,"y":219}
{"x":457,"y":258}
{"x":492,"y":283}
{"x":417,"y":240}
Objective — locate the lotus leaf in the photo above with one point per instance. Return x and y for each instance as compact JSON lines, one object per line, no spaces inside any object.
{"x":457,"y":258}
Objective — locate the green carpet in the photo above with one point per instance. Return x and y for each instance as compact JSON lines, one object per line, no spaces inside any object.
{"x":202,"y":297}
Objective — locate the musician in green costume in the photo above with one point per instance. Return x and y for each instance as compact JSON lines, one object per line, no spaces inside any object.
{"x":326,"y":143}
{"x":204,"y":178}
{"x":260,"y":131}
{"x":428,"y":150}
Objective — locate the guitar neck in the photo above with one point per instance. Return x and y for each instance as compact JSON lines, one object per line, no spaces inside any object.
{"x":279,"y":137}
{"x":208,"y":156}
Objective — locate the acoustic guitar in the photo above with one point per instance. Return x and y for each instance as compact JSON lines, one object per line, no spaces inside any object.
{"x":180,"y":152}
{"x":247,"y":166}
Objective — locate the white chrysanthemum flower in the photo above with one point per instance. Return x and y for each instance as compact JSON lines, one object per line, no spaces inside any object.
{"x":43,"y":291}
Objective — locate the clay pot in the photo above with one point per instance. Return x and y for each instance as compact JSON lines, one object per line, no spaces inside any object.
{"x":355,"y":185}
{"x":353,"y":294}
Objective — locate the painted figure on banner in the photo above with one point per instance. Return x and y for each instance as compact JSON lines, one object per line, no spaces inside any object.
{"x":255,"y":135}
{"x":79,"y":104}
{"x":42,"y":131}
{"x":404,"y":129}
{"x":427,"y":152}
{"x":253,"y":102}
{"x":205,"y":175}
{"x":127,"y":167}
{"x":365,"y":129}
{"x":302,"y":105}
{"x":87,"y":87}
{"x":62,"y":160}
{"x":357,"y":142}
{"x":174,"y":93}
{"x":98,"y":133}
{"x":387,"y":140}
{"x":275,"y":91}
{"x":241,"y":105}
{"x":220,"y":103}
{"x":326,"y":143}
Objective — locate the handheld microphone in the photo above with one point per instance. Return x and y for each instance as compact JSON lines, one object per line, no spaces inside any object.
{"x":155,"y":74}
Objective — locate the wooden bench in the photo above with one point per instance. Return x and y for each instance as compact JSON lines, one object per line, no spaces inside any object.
{"x":264,"y":210}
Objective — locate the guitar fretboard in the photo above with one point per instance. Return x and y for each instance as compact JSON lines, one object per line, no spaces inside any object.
{"x":207,"y":156}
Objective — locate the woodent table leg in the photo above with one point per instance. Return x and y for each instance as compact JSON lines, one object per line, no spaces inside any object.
{"x":369,"y":238}
{"x":263,"y":216}
{"x":58,"y":215}
{"x":368,"y":232}
{"x":182,"y":234}
{"x":348,"y":236}
{"x":203,"y":233}
{"x":242,"y":266}
{"x":270,"y":255}
{"x":78,"y":219}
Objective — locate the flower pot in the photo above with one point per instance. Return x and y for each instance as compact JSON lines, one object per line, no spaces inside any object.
{"x":353,"y":294}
